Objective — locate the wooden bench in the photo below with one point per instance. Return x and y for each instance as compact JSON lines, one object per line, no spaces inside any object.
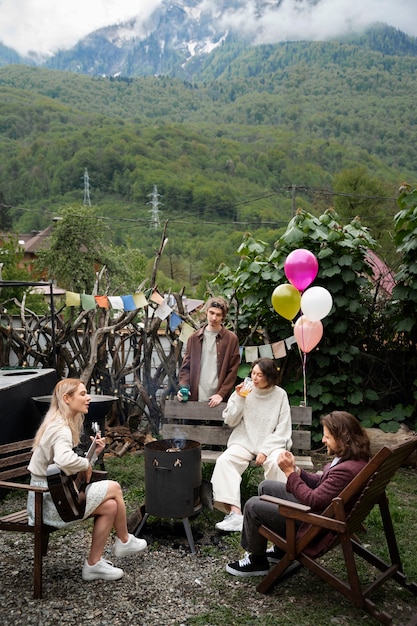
{"x":14,"y":459}
{"x":198,"y":422}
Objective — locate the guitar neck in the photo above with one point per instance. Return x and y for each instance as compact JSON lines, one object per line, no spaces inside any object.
{"x":91,"y":453}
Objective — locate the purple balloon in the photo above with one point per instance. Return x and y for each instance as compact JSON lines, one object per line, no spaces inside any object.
{"x":301,"y":267}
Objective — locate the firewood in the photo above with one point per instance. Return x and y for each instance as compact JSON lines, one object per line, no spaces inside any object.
{"x":125,"y":447}
{"x":379,"y":438}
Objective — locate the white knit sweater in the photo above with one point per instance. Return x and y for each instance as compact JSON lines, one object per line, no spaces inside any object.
{"x":55,"y":446}
{"x":261,"y":422}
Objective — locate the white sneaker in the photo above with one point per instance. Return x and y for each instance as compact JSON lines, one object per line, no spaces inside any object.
{"x":274,"y":555}
{"x":232,"y":523}
{"x":132,"y":546}
{"x":103,"y":570}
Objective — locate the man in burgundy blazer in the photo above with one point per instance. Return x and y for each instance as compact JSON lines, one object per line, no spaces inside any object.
{"x":344,"y":438}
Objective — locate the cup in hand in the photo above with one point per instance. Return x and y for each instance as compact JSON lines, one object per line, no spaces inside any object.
{"x":247,"y":387}
{"x":185,"y":392}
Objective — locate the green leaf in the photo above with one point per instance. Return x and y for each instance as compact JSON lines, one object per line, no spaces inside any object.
{"x":370,"y":394}
{"x":390,"y":427}
{"x":355,"y":398}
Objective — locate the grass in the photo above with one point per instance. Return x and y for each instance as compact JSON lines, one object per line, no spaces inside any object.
{"x":303,"y":599}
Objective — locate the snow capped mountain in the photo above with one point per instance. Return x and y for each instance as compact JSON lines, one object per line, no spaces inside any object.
{"x":175,"y":33}
{"x":176,"y":37}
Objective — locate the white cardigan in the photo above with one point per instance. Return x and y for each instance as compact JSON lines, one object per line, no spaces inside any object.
{"x":56,"y":446}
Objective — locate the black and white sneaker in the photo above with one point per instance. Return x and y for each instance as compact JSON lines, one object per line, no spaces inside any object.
{"x":274,"y":555}
{"x":250,"y":565}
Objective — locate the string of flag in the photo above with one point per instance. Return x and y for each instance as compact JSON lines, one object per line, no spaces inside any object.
{"x":163,"y":310}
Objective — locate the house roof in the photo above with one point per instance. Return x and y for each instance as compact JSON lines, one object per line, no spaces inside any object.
{"x":382,"y":274}
{"x":33,"y":243}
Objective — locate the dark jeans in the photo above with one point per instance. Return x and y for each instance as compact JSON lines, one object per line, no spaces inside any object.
{"x":257,"y":513}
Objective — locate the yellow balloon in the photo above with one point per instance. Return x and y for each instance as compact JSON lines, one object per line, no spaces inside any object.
{"x":286,"y":300}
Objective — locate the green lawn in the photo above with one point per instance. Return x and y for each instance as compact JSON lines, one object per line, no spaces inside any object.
{"x":303,"y":599}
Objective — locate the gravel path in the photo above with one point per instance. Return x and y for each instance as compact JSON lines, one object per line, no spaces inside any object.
{"x":165,"y":586}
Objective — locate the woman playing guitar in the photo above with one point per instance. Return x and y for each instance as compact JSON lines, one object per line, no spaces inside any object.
{"x":57,"y":435}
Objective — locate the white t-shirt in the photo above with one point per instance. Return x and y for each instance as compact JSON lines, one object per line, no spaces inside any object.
{"x":208,"y":382}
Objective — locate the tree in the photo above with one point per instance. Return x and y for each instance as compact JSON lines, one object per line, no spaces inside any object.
{"x":337,"y":371}
{"x":12,"y":269}
{"x":360,"y":194}
{"x":76,"y":250}
{"x":405,"y":292}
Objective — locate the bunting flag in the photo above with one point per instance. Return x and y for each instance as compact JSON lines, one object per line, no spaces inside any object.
{"x":132,"y":302}
{"x":265,"y":350}
{"x":140,"y":300}
{"x":72,"y":299}
{"x":128,"y":303}
{"x":102,"y":302}
{"x":163,"y":311}
{"x":186,"y":331}
{"x":251,"y":353}
{"x":156,"y":297}
{"x":116,"y":303}
{"x":278,"y":349}
{"x":87,"y":302}
{"x":174,"y":321}
{"x":290,"y":341}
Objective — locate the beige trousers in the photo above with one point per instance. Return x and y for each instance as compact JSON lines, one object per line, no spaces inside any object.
{"x":227,"y":475}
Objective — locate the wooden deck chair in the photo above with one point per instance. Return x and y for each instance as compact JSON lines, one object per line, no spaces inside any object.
{"x":338,"y":525}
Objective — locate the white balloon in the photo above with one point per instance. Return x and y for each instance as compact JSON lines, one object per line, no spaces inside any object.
{"x":316,"y":303}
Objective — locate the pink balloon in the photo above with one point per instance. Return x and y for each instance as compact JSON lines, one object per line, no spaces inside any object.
{"x":301,"y":267}
{"x":307,"y":333}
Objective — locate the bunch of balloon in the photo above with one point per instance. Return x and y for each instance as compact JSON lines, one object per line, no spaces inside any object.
{"x":301,"y":268}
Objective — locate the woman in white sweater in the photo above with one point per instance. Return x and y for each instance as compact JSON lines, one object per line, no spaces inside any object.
{"x":58,"y":434}
{"x":261,"y":423}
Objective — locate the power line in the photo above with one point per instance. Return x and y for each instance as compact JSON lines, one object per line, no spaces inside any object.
{"x":155,"y":221}
{"x":184,"y":219}
{"x":87,"y":201}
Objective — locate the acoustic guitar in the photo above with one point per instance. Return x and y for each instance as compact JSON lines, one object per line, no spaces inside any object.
{"x":68,"y":492}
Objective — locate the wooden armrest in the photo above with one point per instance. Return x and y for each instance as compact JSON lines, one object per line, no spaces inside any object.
{"x":302,"y":513}
{"x":281,"y":502}
{"x":25,"y":487}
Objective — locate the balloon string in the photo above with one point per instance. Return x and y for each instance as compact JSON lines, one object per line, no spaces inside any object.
{"x":304,"y":360}
{"x":304,"y":378}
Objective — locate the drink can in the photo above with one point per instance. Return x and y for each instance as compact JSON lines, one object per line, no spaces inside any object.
{"x":185,"y":392}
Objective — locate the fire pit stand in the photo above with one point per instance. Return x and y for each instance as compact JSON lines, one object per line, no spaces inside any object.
{"x":187,"y":528}
{"x":173,"y":482}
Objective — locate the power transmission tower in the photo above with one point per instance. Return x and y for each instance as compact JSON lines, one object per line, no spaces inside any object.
{"x":87,"y":201}
{"x":155,"y":222}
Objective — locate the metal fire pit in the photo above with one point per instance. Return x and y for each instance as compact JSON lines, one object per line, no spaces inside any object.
{"x":173,"y":481}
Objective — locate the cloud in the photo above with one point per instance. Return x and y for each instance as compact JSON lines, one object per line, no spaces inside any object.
{"x":300,"y":19}
{"x":44,"y":26}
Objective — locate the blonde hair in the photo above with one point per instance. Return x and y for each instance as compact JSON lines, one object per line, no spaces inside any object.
{"x":59,"y":410}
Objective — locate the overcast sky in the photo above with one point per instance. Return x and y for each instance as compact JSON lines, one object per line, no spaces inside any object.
{"x":47,"y":25}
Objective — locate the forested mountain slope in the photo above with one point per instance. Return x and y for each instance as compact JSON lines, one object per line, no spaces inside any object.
{"x":265,"y":129}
